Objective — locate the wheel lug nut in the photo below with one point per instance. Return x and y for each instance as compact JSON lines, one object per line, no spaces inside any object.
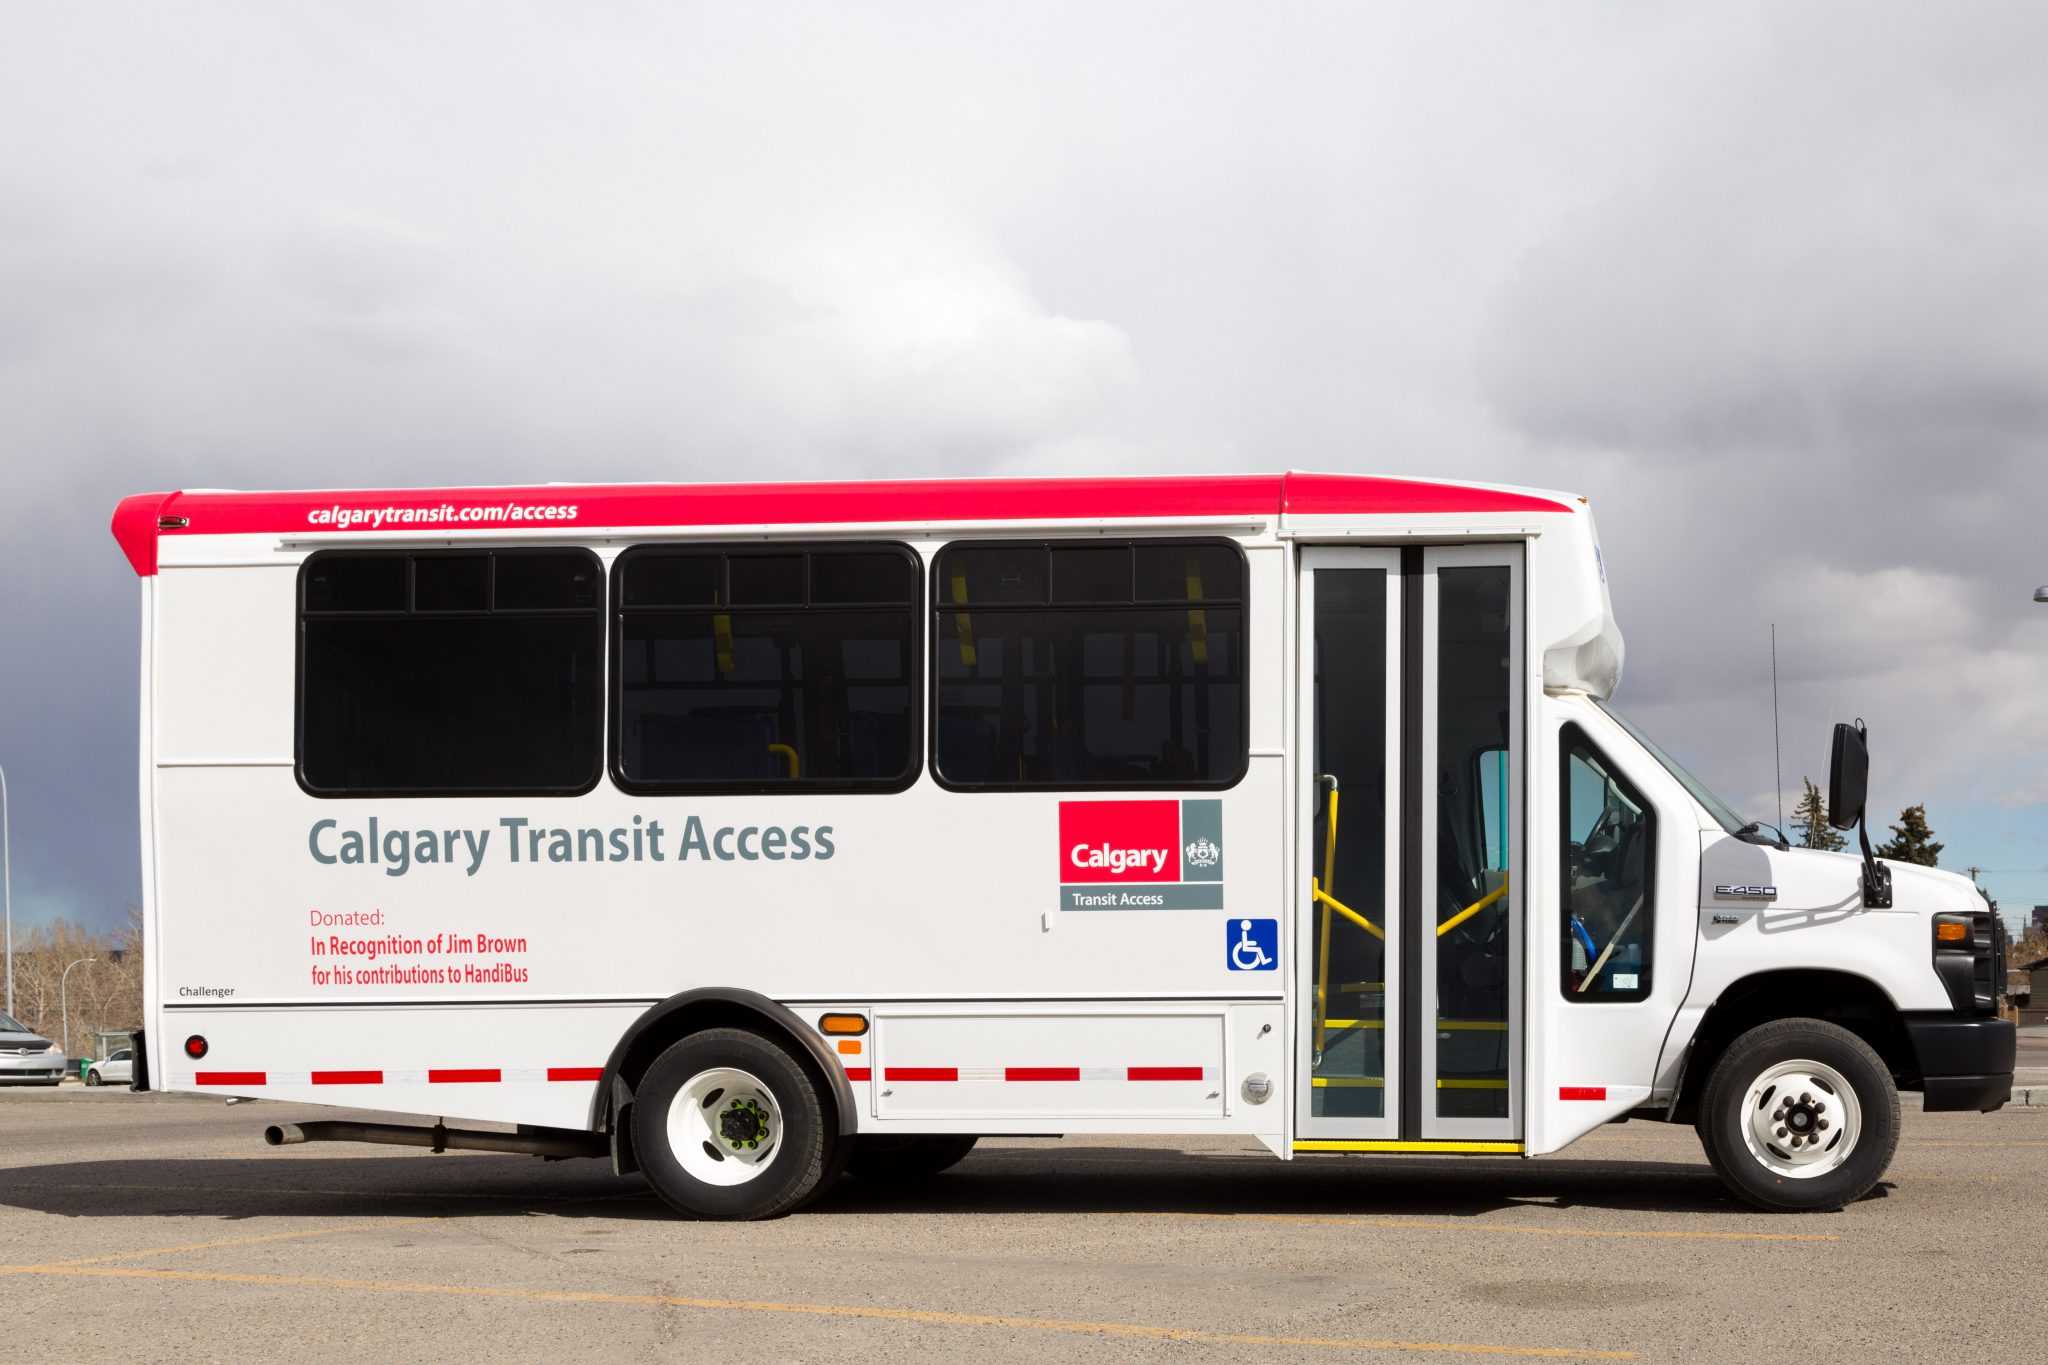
{"x":1822,"y":1124}
{"x":1805,"y":1098}
{"x":1781,"y":1133}
{"x":1821,"y":1108}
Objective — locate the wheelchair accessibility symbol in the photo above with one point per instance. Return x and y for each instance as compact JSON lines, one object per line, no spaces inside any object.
{"x":1254,"y":944}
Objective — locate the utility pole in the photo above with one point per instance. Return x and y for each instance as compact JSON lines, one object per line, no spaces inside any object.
{"x":64,"y":1003}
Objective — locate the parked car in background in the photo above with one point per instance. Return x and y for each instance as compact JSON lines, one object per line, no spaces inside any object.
{"x":26,"y":1057}
{"x":117,"y":1069}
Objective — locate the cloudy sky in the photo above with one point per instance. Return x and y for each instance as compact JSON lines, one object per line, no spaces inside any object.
{"x":1767,"y":282}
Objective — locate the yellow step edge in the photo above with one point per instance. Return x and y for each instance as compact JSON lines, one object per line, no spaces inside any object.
{"x":1338,"y":1145}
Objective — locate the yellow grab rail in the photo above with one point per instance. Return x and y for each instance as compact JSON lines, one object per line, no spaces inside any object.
{"x":1332,"y":903}
{"x":1474,"y":908}
{"x":788,"y":756}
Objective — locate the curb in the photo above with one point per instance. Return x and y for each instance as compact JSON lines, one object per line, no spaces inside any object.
{"x":2030,"y":1097}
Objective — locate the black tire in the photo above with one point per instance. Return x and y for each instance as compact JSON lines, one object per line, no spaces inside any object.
{"x":797,"y":1160}
{"x":92,"y":1078}
{"x":838,"y":1151}
{"x":909,"y":1156}
{"x":1725,"y":1113}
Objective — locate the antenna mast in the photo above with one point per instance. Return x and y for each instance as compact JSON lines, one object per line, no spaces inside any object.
{"x":1777,"y":755}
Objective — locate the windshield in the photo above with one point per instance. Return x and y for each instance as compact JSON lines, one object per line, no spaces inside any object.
{"x":1716,"y":807}
{"x":9,"y":1024}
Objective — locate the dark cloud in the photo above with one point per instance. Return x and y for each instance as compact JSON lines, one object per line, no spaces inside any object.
{"x":1765,"y":283}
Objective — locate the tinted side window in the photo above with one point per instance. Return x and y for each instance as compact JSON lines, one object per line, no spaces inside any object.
{"x":426,"y":673}
{"x":777,"y":669}
{"x":1609,"y":863}
{"x":1096,"y":664}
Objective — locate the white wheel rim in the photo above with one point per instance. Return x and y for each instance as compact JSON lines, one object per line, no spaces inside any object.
{"x":724,"y":1126}
{"x":1800,"y":1119}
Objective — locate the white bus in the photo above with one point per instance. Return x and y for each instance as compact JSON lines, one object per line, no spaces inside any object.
{"x":745,"y":834}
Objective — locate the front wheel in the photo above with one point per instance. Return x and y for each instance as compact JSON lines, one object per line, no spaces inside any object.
{"x":1799,"y":1115}
{"x":92,"y":1078}
{"x":728,"y":1125}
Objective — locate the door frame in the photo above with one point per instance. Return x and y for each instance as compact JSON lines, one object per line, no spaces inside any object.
{"x":1408,"y":1120}
{"x":1315,"y":559}
{"x":1423,"y":1068}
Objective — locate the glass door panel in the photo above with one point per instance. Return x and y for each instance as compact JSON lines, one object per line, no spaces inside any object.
{"x":1470,"y":935}
{"x":1349,"y":1039}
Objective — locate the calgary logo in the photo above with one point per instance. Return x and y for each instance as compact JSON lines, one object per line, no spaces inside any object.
{"x":1141,"y":855}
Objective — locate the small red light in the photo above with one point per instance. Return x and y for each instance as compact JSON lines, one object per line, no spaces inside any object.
{"x":195,"y":1047}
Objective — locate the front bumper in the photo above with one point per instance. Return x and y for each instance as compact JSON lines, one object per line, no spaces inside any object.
{"x":37,"y":1068}
{"x":1964,"y":1063}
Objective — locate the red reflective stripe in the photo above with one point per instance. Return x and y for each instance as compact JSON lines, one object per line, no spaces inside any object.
{"x":1166,"y":1073}
{"x":920,"y":1073}
{"x":228,"y":1078}
{"x":575,"y":1073}
{"x":1582,"y":1092}
{"x":348,"y":1078}
{"x":856,"y":1073}
{"x":1042,"y":1073}
{"x":459,"y":1076}
{"x":940,"y":500}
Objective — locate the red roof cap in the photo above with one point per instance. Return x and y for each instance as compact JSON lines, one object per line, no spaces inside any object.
{"x":609,"y":506}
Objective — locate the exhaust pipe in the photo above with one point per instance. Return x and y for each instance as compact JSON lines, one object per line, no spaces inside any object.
{"x":553,"y":1143}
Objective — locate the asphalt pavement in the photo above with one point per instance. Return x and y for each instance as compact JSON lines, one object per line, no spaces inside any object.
{"x":158,"y":1227}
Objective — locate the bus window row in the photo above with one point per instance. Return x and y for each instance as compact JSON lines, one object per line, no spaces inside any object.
{"x":1097,"y":665}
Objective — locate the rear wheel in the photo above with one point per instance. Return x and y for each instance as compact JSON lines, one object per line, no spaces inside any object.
{"x":1799,"y":1115}
{"x":729,"y":1125}
{"x":908,"y":1156}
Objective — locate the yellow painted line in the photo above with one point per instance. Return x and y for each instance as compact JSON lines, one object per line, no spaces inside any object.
{"x":1409,"y":1225}
{"x":841,"y":1310}
{"x":1471,"y":1083}
{"x":1334,"y":1145}
{"x":1348,"y":1082}
{"x":211,"y":1246}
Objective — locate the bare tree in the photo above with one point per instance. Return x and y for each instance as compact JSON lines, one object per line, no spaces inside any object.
{"x":104,"y":995}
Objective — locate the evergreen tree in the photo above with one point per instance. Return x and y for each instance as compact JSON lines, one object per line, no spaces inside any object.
{"x":1911,"y":841}
{"x":1810,"y":821}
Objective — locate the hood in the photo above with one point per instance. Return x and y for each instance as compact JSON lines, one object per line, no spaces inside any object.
{"x":11,"y":1041}
{"x":1808,"y":879}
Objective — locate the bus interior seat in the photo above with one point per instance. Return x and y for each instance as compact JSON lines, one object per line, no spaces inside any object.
{"x":694,"y":745}
{"x":967,"y":748}
{"x":879,"y":740}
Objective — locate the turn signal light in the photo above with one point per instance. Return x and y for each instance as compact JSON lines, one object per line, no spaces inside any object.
{"x":1948,"y":932}
{"x":195,"y":1047}
{"x":843,"y":1023}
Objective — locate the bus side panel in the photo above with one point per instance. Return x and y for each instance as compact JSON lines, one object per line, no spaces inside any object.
{"x":518,"y":1063}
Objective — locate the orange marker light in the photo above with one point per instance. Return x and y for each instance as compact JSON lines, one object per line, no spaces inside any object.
{"x":1952,"y":933}
{"x":850,"y":1046}
{"x":843,"y":1023}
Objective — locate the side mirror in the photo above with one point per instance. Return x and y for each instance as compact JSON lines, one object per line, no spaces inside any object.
{"x":1848,"y":791}
{"x":1848,"y":776}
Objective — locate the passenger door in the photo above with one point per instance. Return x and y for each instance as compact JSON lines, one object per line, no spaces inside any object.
{"x":1409,"y":908}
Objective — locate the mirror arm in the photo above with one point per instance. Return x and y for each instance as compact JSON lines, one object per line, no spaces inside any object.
{"x":1877,"y":878}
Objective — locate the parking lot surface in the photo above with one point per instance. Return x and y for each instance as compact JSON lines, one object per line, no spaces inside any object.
{"x":157,"y":1227}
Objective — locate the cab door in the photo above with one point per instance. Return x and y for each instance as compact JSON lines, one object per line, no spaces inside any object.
{"x":1409,"y":941}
